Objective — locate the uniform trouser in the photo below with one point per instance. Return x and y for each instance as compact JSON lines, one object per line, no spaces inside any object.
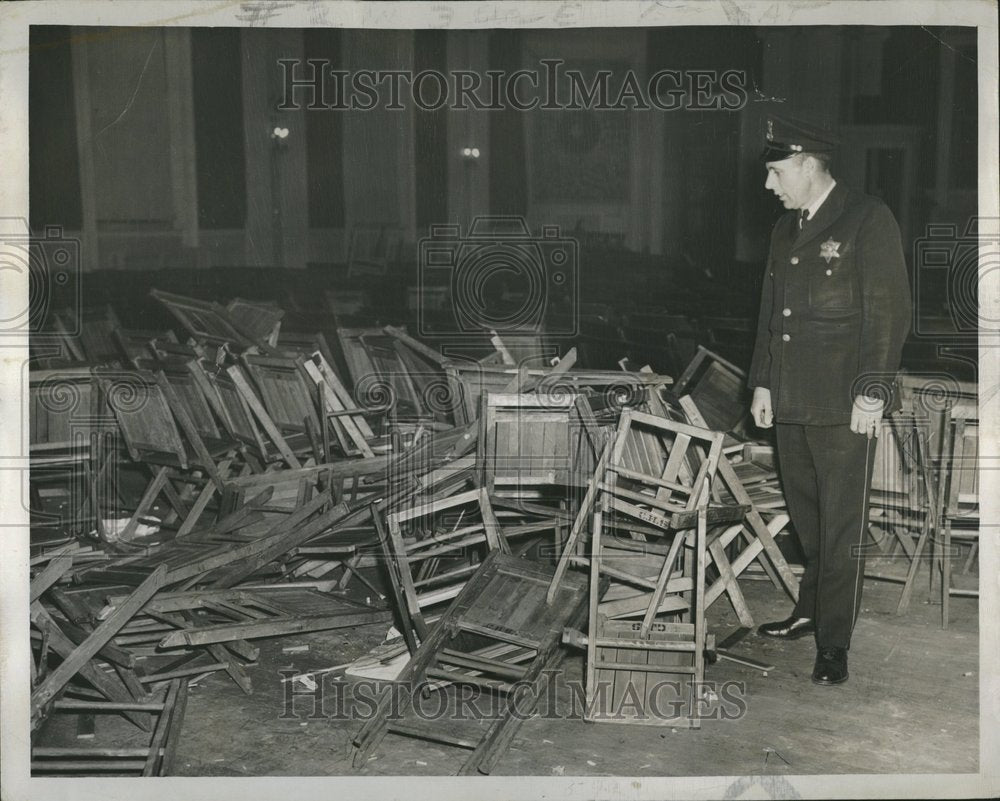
{"x":826,"y":476}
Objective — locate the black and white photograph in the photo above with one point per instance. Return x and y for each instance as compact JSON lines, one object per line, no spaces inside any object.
{"x":499,"y":400}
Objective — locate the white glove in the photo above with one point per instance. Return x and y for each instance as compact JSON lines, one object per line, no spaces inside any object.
{"x":760,"y":408}
{"x":866,"y":416}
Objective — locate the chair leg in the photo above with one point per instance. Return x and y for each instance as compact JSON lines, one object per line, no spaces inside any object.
{"x":911,"y":574}
{"x":973,"y":552}
{"x":145,"y":504}
{"x":945,"y":576}
{"x":730,"y":584}
{"x":197,"y":508}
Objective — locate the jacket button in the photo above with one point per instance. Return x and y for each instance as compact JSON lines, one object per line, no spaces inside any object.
{"x":795,"y":260}
{"x":786,"y":312}
{"x":785,"y":337}
{"x":829,"y":272}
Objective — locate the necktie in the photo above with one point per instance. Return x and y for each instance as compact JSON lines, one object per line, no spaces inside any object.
{"x":803,"y":217}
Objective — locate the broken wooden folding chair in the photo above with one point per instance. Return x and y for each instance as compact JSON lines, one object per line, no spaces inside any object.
{"x":652,"y":505}
{"x":290,"y":400}
{"x":958,"y":501}
{"x":67,"y":423}
{"x":76,"y":657}
{"x":340,"y":412}
{"x":89,"y":648}
{"x":96,"y":327}
{"x":229,"y":403}
{"x":148,"y":423}
{"x":386,"y":362}
{"x":436,"y":545}
{"x":207,"y":321}
{"x":903,"y":500}
{"x":275,"y":447}
{"x":344,"y":550}
{"x":155,"y":758}
{"x":497,"y":640}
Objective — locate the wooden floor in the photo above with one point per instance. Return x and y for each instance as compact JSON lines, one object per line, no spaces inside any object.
{"x":910,"y":706}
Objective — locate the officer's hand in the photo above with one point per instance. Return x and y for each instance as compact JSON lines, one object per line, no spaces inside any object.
{"x":866,"y":416}
{"x":760,"y":408}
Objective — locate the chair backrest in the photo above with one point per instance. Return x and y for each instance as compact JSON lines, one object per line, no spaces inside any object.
{"x":227,"y":402}
{"x":63,"y":409}
{"x":436,"y":545}
{"x":144,"y":416}
{"x":97,"y":327}
{"x":261,"y":320}
{"x":962,"y":499}
{"x":718,"y":387}
{"x":138,"y":343}
{"x":679,"y":467}
{"x":523,"y":347}
{"x":931,"y":396}
{"x":900,"y":456}
{"x":205,"y":320}
{"x":377,"y":365}
{"x":529,"y":442}
{"x":185,"y":388}
{"x":287,"y":394}
{"x":296,"y":344}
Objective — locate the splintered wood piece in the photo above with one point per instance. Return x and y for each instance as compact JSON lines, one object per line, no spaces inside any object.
{"x":273,"y":627}
{"x":54,"y":571}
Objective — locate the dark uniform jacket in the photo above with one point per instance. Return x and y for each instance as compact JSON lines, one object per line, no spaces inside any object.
{"x":835,"y":310}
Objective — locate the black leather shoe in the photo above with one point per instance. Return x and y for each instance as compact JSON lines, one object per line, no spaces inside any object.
{"x":831,"y":666}
{"x":789,"y":629}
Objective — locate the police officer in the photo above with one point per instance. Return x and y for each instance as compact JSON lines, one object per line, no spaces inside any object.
{"x":835,"y":309}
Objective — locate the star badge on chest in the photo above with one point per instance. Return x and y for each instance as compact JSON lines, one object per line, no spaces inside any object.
{"x":828,"y":250}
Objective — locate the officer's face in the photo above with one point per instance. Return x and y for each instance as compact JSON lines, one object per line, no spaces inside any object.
{"x":789,"y":179}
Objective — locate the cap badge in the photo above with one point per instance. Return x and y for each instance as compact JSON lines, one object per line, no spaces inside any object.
{"x":770,"y":130}
{"x":828,"y":250}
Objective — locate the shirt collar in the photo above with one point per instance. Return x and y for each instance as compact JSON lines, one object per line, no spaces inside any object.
{"x":819,"y":201}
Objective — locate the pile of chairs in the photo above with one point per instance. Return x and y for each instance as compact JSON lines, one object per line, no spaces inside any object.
{"x":925,"y":491}
{"x":239,"y":481}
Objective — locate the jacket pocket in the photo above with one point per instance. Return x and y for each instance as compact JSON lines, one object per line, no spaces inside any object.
{"x":833,"y":289}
